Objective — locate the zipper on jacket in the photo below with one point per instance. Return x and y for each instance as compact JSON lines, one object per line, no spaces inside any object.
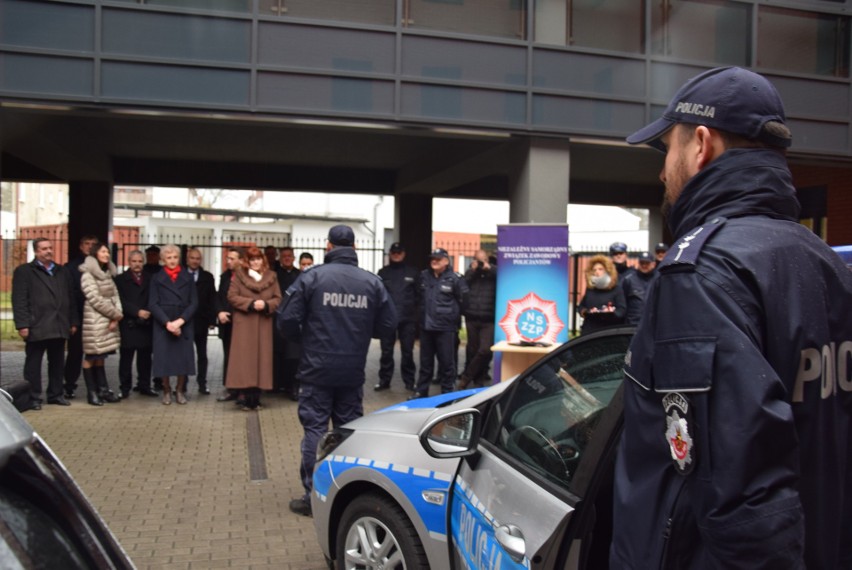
{"x":668,"y":530}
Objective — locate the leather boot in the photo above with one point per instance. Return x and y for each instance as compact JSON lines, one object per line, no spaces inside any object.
{"x":180,"y":394}
{"x":464,"y":382}
{"x":91,"y":387}
{"x":105,"y":393}
{"x":167,"y":391}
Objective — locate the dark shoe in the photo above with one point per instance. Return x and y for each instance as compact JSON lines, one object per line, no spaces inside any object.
{"x":417,"y":395}
{"x":301,"y":506}
{"x":70,"y":394}
{"x":228,"y":397}
{"x":35,"y":406}
{"x":379,"y":387}
{"x":410,"y":387}
{"x":464,"y":382}
{"x":204,"y":390}
{"x":109,"y":396}
{"x":60,"y":401}
{"x":125,"y":394}
{"x":146,"y":392}
{"x":436,"y":380}
{"x":137,"y":389}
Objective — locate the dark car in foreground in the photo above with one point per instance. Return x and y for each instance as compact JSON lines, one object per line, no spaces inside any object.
{"x":45,"y":520}
{"x":517,"y":475}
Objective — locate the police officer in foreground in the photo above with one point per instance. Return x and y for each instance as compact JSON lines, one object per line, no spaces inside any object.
{"x":737,"y":400}
{"x":335,"y":308}
{"x":401,"y":281}
{"x":443,"y":293}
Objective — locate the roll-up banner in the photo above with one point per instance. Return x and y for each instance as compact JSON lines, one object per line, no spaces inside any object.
{"x":532,"y":286}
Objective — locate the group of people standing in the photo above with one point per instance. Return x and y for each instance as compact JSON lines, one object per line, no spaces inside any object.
{"x":158,"y":311}
{"x":615,"y":292}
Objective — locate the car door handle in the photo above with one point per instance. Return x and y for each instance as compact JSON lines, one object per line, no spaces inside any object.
{"x":512,"y":540}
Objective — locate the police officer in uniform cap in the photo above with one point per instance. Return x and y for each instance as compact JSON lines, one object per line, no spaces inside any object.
{"x":401,"y":281}
{"x":443,"y":293}
{"x":660,"y":251}
{"x":335,"y":308}
{"x":736,"y":449}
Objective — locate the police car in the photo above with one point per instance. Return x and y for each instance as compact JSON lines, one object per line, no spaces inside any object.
{"x":518,"y":475}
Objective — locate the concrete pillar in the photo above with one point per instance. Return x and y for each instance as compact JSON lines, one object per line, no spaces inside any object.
{"x":538,"y":187}
{"x":89,"y":211}
{"x":413,"y":227}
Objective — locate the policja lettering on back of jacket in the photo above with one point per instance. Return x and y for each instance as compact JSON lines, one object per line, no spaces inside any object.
{"x":348,"y":300}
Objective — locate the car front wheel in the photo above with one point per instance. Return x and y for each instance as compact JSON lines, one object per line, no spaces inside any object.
{"x":375,"y":534}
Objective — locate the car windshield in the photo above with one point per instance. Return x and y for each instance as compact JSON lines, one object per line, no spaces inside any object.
{"x":549,"y":417}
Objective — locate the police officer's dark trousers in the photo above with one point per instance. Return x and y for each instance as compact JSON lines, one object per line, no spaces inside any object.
{"x":318,"y":405}
{"x":405,"y":333}
{"x":442,"y":345}
{"x":143,"y":368}
{"x":34,"y":351}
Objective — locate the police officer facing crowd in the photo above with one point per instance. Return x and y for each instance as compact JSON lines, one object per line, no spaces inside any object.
{"x":401,"y":281}
{"x":737,"y":400}
{"x":618,"y":253}
{"x":443,"y":293}
{"x":335,"y":308}
{"x":660,"y":251}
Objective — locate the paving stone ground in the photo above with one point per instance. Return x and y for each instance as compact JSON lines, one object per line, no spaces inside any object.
{"x":172,"y":482}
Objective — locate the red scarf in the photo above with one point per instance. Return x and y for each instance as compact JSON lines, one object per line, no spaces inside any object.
{"x":173,"y":273}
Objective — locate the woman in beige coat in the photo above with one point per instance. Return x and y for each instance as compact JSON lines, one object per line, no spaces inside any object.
{"x":101,"y":313}
{"x":254,"y":295}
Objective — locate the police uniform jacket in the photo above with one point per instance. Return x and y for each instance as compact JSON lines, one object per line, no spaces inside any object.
{"x":43,"y":303}
{"x":338,"y":308}
{"x":483,"y":293}
{"x":736,"y":449}
{"x":635,"y":284}
{"x":400,"y":280}
{"x":135,"y":332}
{"x":443,"y":298}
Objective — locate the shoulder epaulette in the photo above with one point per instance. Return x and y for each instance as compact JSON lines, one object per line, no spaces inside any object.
{"x":686,"y":250}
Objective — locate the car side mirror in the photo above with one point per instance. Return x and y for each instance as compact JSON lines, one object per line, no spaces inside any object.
{"x":452,"y":435}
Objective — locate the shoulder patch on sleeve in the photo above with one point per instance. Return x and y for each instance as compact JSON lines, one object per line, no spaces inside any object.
{"x":686,"y":250}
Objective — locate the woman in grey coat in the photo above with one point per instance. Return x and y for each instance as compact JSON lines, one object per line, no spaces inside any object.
{"x":173,"y":301}
{"x":101,"y":314}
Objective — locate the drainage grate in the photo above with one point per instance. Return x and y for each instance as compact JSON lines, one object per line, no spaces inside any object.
{"x":257,"y":459}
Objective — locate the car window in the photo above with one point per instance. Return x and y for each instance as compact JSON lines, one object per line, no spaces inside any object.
{"x":548,"y":418}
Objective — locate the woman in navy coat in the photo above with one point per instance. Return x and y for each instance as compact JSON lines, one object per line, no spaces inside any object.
{"x":173,"y":301}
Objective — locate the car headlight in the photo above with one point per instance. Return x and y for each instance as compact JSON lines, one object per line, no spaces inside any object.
{"x":330,"y":441}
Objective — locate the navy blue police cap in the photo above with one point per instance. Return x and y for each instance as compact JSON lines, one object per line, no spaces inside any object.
{"x":730,"y":99}
{"x":341,"y":235}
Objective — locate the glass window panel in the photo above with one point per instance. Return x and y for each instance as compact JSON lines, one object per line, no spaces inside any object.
{"x":363,"y":11}
{"x":501,"y":18}
{"x":603,"y":24}
{"x":224,"y":5}
{"x":549,"y":417}
{"x":714,"y":31}
{"x":803,"y":42}
{"x":51,"y":26}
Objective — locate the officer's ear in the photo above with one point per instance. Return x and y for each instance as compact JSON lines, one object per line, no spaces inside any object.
{"x":328,"y":246}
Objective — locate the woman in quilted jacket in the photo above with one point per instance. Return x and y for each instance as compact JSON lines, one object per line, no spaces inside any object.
{"x":101,"y":313}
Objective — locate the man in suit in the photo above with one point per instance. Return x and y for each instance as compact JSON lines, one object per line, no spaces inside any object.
{"x":135,"y":327}
{"x":205,"y":316}
{"x":224,"y":318}
{"x":45,"y":317}
{"x":285,"y":359}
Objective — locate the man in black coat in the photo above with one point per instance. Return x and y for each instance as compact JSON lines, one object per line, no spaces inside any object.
{"x":401,"y":281}
{"x":135,"y":327}
{"x":45,"y":317}
{"x":286,"y":351}
{"x":224,"y":318}
{"x":74,"y":358}
{"x":479,"y":318}
{"x":205,"y":316}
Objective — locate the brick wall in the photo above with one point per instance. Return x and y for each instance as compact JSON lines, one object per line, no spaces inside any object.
{"x":839,"y":198}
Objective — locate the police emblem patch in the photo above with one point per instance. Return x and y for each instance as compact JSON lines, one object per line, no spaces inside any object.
{"x":678,"y":436}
